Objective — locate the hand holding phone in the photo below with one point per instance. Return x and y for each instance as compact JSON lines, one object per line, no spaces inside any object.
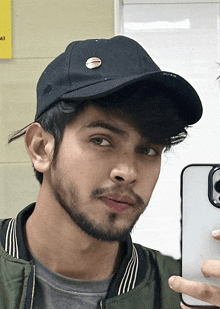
{"x":200,"y":194}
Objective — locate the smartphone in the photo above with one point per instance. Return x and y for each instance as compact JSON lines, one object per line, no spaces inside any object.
{"x":200,"y":205}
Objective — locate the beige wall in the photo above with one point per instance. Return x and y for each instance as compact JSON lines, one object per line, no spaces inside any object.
{"x":41,"y":30}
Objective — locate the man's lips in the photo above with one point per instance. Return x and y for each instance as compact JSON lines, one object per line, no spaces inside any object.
{"x":117,"y":202}
{"x":125,"y":199}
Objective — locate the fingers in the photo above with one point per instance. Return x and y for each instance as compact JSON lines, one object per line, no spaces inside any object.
{"x":216,"y":234}
{"x":199,"y":290}
{"x":211,"y":268}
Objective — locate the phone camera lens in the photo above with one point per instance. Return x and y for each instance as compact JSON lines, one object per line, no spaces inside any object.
{"x":217,"y":186}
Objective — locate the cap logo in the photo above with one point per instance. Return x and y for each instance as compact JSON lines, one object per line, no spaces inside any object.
{"x":93,"y":63}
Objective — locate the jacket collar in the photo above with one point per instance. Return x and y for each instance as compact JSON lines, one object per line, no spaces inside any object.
{"x":13,"y":235}
{"x":131,"y":270}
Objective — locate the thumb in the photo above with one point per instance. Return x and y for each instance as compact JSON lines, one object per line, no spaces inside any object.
{"x":216,"y":234}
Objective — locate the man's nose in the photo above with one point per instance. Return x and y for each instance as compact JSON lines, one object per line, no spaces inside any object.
{"x":125,"y":172}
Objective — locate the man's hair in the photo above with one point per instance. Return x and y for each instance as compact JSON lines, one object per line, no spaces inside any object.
{"x":150,"y":110}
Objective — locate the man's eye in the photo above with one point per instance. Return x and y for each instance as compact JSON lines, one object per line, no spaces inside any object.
{"x":100,"y":141}
{"x":148,"y":151}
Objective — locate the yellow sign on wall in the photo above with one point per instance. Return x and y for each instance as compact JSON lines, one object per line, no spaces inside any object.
{"x":5,"y":29}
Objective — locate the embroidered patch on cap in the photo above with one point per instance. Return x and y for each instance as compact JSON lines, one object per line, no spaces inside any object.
{"x":93,"y":63}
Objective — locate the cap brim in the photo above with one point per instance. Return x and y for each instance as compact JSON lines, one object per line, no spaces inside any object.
{"x":188,"y":103}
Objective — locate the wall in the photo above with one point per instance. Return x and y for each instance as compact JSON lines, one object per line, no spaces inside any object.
{"x":41,"y":30}
{"x":182,"y":36}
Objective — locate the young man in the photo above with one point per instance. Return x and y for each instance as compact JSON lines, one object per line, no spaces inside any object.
{"x":105,"y":113}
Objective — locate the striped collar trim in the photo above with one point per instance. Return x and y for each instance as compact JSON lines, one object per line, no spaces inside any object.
{"x":11,"y":241}
{"x":130,"y":275}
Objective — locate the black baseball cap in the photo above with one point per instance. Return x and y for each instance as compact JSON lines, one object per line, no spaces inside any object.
{"x":95,"y":68}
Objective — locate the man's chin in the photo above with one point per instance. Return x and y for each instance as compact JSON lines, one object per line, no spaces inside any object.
{"x":110,"y":237}
{"x":99,"y":232}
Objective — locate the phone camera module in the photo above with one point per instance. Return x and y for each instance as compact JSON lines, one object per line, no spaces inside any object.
{"x":214,"y":186}
{"x":217,"y":186}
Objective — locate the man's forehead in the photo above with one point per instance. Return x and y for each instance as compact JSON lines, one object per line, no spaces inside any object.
{"x":106,"y":125}
{"x":94,"y":116}
{"x":125,"y":123}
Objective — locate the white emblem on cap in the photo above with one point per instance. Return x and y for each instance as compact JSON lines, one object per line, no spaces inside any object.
{"x":93,"y":63}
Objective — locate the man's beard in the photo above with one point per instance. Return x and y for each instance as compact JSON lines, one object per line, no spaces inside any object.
{"x":69,"y":200}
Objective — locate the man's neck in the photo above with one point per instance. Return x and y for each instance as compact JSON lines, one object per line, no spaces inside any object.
{"x":63,"y":247}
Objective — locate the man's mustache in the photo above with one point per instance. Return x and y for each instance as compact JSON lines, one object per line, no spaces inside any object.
{"x":99,"y":192}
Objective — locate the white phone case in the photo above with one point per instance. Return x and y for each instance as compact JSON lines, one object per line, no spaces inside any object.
{"x":200,"y":216}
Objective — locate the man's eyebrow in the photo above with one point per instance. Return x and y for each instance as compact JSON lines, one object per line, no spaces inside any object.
{"x":101,"y":124}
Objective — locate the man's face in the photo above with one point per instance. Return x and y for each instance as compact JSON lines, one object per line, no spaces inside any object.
{"x":104,"y":173}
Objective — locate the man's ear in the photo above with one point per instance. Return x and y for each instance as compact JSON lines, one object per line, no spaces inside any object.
{"x":40,"y":147}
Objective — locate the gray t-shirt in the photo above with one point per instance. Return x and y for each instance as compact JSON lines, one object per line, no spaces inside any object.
{"x":54,"y":291}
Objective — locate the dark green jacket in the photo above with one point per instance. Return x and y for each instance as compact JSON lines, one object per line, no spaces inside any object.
{"x":140,"y":283}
